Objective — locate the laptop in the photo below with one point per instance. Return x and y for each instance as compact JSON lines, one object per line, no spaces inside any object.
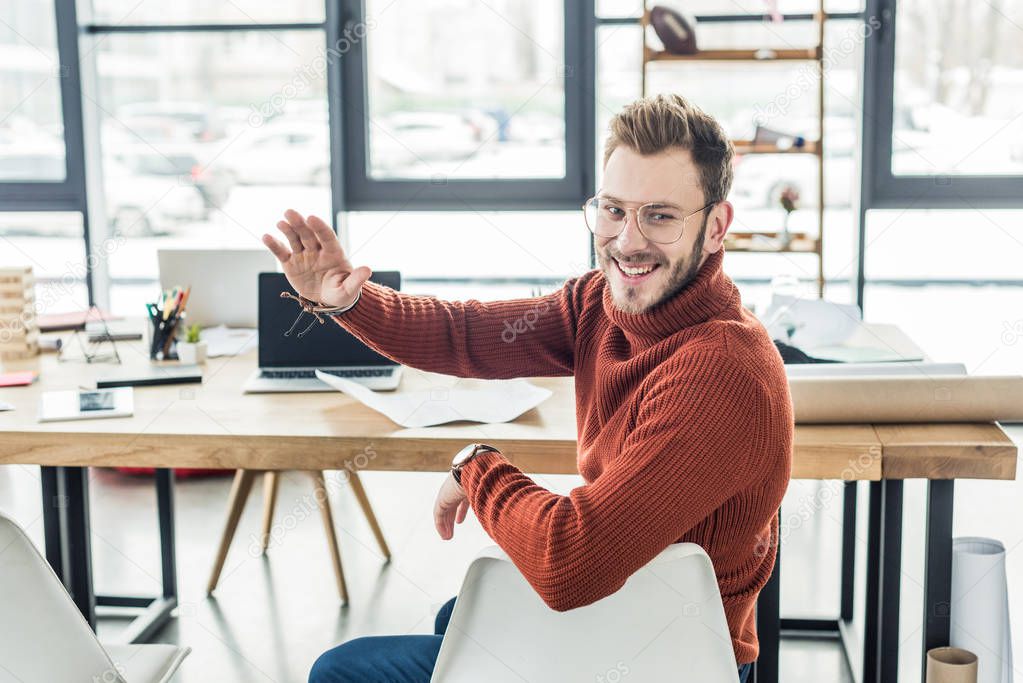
{"x":223,"y":282}
{"x":288,"y":363}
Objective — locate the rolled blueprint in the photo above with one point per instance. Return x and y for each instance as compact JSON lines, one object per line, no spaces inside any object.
{"x":980,"y":607}
{"x":914,"y":398}
{"x":912,"y":369}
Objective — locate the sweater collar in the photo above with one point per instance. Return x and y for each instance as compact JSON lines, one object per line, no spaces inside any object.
{"x":709,"y":293}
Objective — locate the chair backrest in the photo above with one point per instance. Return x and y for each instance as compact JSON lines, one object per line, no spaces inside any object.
{"x":45,"y":637}
{"x":666,"y":623}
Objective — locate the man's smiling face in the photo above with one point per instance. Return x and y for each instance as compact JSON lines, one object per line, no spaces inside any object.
{"x":640,"y":272}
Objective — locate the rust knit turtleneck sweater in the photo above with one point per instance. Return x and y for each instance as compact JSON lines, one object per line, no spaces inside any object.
{"x":684,"y":428}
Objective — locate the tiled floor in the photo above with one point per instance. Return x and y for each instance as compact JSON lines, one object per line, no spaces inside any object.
{"x":272,"y":616}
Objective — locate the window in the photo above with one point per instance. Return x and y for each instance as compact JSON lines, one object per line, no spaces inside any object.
{"x":443,"y":102}
{"x":206,"y":138}
{"x":468,"y":106}
{"x":951,"y":278}
{"x":484,"y":255}
{"x":944,"y":117}
{"x":958,"y":102}
{"x":52,"y":244}
{"x":31,"y":128}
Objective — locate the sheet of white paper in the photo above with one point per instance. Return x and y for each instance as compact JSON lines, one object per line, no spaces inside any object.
{"x":812,"y":322}
{"x":494,"y":401}
{"x":229,"y":341}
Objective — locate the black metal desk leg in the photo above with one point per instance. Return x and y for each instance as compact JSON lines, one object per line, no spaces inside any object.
{"x":52,"y":512}
{"x":871,"y":637}
{"x":938,"y":565}
{"x":890,"y":584}
{"x":156,"y":612}
{"x":76,"y":544}
{"x":766,"y":669}
{"x":165,"y":510}
{"x":884,"y":574}
{"x":848,"y":593}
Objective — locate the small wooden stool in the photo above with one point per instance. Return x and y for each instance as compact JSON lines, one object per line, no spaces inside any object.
{"x":243,"y":480}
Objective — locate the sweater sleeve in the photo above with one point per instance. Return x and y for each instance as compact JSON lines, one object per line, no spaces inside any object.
{"x":698,"y":439}
{"x":495,"y":340}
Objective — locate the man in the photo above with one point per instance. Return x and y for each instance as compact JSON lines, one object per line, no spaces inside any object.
{"x":683,"y":412}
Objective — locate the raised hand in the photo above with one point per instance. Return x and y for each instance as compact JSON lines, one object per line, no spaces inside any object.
{"x":316,"y":265}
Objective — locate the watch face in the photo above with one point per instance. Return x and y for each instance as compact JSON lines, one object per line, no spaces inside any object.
{"x":463,"y":454}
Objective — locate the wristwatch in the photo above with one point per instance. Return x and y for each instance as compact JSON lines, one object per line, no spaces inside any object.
{"x":466,"y":455}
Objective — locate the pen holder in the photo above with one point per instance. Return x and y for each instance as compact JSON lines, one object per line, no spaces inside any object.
{"x":163,"y":338}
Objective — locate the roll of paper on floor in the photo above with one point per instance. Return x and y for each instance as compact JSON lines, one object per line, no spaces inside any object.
{"x":951,"y":665}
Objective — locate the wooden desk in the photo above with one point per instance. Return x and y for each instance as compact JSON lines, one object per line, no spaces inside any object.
{"x":214,"y":425}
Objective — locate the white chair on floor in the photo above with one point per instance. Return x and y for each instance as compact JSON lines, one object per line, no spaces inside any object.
{"x":666,"y":623}
{"x":45,"y":637}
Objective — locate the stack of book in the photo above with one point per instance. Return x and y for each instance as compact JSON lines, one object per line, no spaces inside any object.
{"x":19,"y":330}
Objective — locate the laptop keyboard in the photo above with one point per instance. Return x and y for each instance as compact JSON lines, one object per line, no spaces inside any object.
{"x":345,"y":373}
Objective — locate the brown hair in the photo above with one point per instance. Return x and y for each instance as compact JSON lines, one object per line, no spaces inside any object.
{"x":654,"y":124}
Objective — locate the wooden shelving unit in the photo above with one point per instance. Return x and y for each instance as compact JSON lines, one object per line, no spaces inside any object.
{"x":770,"y":241}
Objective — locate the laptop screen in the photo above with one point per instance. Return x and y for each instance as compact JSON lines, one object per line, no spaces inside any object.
{"x":324,"y":346}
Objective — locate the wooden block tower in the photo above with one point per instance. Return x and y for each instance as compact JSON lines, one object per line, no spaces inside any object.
{"x":19,"y":330}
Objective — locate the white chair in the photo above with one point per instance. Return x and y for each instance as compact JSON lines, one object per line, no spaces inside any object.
{"x":666,"y":623}
{"x":46,"y":639}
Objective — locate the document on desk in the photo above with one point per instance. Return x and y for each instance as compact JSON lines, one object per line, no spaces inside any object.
{"x":229,"y":341}
{"x":491,"y":401}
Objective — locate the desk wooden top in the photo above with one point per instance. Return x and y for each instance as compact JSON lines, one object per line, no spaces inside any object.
{"x":215,"y":425}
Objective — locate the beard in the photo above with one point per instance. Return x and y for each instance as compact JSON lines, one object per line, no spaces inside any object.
{"x":681,"y":273}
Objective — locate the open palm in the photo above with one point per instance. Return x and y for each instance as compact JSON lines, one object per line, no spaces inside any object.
{"x":316,"y":265}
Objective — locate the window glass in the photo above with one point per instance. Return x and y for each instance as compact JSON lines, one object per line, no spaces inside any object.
{"x":465,"y":89}
{"x":958,"y":102}
{"x":206,"y":139}
{"x":31,"y":128}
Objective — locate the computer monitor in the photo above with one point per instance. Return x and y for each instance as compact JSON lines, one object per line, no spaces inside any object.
{"x":223,"y":281}
{"x":323,"y":346}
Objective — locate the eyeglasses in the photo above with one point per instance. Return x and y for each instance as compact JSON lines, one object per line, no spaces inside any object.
{"x":659,"y":223}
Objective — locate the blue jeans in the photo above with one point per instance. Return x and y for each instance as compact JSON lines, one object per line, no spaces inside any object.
{"x":395,"y":659}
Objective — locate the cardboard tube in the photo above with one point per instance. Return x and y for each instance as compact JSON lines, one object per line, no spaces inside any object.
{"x":951,"y":665}
{"x":893,"y":399}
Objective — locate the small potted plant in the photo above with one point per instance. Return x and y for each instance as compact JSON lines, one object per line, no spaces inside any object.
{"x":789,"y":200}
{"x":192,"y":350}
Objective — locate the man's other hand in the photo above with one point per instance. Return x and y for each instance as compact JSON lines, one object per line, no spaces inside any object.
{"x":450,"y":508}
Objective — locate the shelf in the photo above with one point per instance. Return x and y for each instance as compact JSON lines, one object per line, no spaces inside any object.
{"x":750,"y":147}
{"x":765,"y":243}
{"x":761,"y":55}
